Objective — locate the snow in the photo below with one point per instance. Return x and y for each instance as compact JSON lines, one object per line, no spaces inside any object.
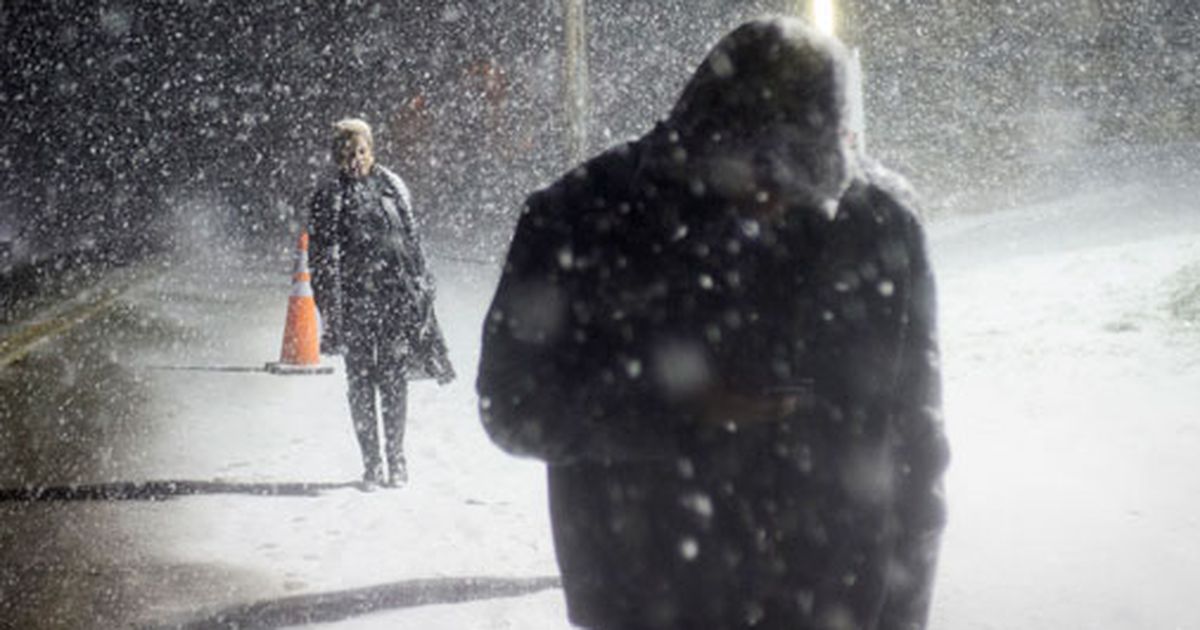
{"x":1071,"y":358}
{"x":544,"y":611}
{"x":1071,"y":393}
{"x":1071,"y":389}
{"x":469,"y":510}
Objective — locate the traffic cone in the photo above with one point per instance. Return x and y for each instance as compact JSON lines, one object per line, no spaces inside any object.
{"x":301,"y":353}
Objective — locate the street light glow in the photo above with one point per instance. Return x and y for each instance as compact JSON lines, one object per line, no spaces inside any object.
{"x":822,"y":13}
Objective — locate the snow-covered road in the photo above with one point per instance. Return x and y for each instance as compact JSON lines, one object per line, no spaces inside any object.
{"x":1072,"y":379}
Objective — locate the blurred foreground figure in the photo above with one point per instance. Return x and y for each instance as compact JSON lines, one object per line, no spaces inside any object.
{"x":721,"y":339}
{"x":376,"y":296}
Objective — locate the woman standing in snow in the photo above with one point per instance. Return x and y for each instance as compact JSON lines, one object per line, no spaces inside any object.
{"x":376,"y":296}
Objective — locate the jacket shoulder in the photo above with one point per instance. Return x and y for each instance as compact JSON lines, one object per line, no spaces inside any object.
{"x":324,"y":193}
{"x":396,"y":183}
{"x":890,"y":189}
{"x":605,"y":176}
{"x":320,"y":204}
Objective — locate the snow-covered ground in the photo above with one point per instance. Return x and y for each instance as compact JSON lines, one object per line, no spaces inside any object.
{"x":1072,"y":380}
{"x":469,"y":509}
{"x":1071,"y":335}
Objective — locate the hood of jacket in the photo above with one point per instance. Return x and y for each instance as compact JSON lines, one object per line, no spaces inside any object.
{"x":762,"y":122}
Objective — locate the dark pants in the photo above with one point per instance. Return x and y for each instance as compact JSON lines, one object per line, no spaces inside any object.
{"x":370,"y":368}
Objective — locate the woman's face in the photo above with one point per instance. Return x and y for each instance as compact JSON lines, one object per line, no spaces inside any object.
{"x":354,"y":157}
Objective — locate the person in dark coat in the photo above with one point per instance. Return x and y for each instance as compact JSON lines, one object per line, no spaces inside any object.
{"x":375,"y":295}
{"x":721,"y":339}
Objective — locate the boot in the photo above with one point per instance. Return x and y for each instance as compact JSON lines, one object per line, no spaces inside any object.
{"x":397,"y":473}
{"x":373,"y":478}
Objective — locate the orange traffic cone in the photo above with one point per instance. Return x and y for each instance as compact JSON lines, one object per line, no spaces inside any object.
{"x":301,"y":353}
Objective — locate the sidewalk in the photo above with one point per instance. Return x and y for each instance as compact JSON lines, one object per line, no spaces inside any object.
{"x":269,"y":464}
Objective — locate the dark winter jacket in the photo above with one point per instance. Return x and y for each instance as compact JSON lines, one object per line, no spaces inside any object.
{"x":369,"y":275}
{"x":721,"y":339}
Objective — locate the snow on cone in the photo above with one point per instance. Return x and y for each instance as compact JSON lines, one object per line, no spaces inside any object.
{"x":301,"y":353}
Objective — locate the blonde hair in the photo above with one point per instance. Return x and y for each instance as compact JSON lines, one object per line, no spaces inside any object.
{"x":347,"y":128}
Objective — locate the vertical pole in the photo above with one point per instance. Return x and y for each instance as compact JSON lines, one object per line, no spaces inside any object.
{"x":824,"y":16}
{"x":857,"y":103}
{"x":576,"y":78}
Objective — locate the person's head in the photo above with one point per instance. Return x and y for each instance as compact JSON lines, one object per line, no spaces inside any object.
{"x":765,"y":115}
{"x":353,"y":147}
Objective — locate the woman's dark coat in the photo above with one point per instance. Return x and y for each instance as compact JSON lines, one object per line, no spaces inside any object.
{"x":370,"y":279}
{"x":721,"y":339}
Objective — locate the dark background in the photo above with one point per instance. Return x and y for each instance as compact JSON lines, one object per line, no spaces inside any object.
{"x":128,"y":127}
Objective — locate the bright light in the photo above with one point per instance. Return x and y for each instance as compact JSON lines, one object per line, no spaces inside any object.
{"x":822,"y":13}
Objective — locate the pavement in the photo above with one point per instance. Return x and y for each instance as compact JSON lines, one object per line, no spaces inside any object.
{"x":151,"y":477}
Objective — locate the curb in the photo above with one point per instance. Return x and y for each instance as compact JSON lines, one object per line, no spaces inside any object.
{"x":21,"y":338}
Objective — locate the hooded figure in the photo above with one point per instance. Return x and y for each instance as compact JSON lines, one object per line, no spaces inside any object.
{"x":721,"y":340}
{"x":376,"y":296}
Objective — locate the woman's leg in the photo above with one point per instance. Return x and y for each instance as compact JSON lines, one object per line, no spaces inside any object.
{"x":361,"y":376}
{"x":393,"y":395}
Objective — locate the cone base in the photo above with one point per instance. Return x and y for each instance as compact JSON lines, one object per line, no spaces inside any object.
{"x":284,"y":369}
